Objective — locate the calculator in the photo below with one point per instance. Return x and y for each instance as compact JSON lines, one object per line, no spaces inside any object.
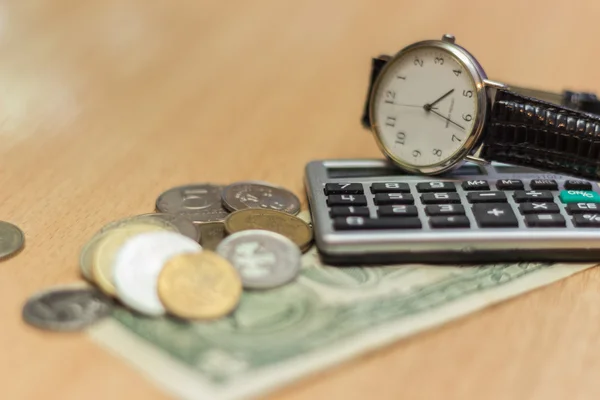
{"x":368,"y":212}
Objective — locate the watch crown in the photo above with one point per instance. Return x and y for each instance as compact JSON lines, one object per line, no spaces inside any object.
{"x":448,"y":38}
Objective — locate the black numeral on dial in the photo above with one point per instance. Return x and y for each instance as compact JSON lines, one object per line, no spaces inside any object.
{"x":390,"y":121}
{"x":400,"y":137}
{"x":418,"y":62}
{"x":416,"y":153}
{"x":439,"y":60}
{"x":467,"y":117}
{"x":437,"y":152}
{"x":456,"y":138}
{"x":468,"y":93}
{"x":457,"y":72}
{"x":390,"y":95}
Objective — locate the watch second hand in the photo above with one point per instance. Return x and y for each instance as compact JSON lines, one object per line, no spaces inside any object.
{"x":448,"y":119}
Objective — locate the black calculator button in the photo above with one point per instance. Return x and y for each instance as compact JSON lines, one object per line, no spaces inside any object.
{"x":444,"y":209}
{"x":495,"y":215}
{"x":358,"y":223}
{"x":577,"y":185}
{"x":539,"y":208}
{"x":440,"y":198}
{"x":587,"y":220}
{"x":545,"y":220}
{"x":583,"y":208}
{"x":343,"y":188}
{"x":393,"y":198}
{"x":390,"y":187}
{"x":509,"y":184}
{"x":349,"y":211}
{"x":543,"y":184}
{"x":486,"y":197}
{"x":346,"y":200}
{"x":426,"y":187}
{"x":453,"y":221}
{"x":475,"y":185}
{"x":397,"y":211}
{"x":538,"y":196}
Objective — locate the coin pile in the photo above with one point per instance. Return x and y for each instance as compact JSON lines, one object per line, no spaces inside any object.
{"x":191,"y":258}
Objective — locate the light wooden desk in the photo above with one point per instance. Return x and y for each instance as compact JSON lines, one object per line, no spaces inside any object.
{"x":104,"y":104}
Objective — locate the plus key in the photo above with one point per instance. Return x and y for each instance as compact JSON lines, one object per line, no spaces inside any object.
{"x":495,"y":215}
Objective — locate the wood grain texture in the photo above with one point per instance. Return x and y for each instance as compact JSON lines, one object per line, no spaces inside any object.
{"x":105,"y":104}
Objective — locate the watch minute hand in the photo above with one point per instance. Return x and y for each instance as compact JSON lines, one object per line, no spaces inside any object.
{"x":448,"y":119}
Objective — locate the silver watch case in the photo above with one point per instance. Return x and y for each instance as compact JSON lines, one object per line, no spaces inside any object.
{"x":484,"y":101}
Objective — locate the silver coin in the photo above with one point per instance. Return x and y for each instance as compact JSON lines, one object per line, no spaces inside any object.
{"x":183,"y":223}
{"x":199,"y":203}
{"x":87,"y":252}
{"x":11,"y":239}
{"x":242,"y":195}
{"x":66,"y":308}
{"x":264,"y":259}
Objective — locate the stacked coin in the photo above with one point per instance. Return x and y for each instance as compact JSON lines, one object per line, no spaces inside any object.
{"x":220,"y":210}
{"x":190,"y":259}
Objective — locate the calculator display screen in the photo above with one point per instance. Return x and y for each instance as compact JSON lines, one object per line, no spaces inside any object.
{"x":337,"y":173}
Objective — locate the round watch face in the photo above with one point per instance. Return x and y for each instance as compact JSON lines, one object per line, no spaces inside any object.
{"x":426,"y":107}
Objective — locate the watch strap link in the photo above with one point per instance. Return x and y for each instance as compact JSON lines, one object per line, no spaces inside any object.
{"x":527,"y":131}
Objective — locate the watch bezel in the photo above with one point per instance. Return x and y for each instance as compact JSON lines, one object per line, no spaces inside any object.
{"x":478,"y":75}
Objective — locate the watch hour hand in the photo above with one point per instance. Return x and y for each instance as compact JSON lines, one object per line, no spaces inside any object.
{"x":429,"y":106}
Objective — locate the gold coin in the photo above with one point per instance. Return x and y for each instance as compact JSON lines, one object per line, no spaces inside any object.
{"x":86,"y":257}
{"x":11,"y":239}
{"x":292,"y":227}
{"x":106,"y":248}
{"x":199,"y":286}
{"x":211,"y":234}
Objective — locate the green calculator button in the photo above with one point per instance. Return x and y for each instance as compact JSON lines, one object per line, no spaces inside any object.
{"x":579,"y":196}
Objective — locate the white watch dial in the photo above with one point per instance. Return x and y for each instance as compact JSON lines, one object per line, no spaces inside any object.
{"x":425,"y":107}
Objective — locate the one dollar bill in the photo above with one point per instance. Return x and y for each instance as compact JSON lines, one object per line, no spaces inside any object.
{"x":328,"y":315}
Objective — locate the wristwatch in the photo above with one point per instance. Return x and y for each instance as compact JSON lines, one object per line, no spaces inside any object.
{"x":431,"y":107}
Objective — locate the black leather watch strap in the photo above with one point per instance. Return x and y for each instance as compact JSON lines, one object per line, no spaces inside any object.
{"x":527,"y":131}
{"x":377,"y":65}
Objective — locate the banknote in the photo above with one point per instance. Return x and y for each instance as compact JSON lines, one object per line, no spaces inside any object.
{"x":325,"y":317}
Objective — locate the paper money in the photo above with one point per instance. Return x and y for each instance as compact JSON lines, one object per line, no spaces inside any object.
{"x":326,"y":316}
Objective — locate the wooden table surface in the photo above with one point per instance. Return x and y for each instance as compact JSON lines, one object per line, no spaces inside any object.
{"x":104,"y":104}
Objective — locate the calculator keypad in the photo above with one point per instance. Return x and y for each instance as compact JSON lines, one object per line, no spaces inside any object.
{"x":348,"y":211}
{"x":495,"y":215}
{"x":346,"y":200}
{"x":440,"y":198}
{"x":486,"y":197}
{"x":390,"y":187}
{"x":343,"y":188}
{"x":398,"y":211}
{"x":476,"y":203}
{"x":475,"y":185}
{"x":426,"y":187}
{"x":543,"y":184}
{"x":444,"y":209}
{"x":350,"y":223}
{"x":393,"y":198}
{"x":533,"y":195}
{"x":539,"y":208}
